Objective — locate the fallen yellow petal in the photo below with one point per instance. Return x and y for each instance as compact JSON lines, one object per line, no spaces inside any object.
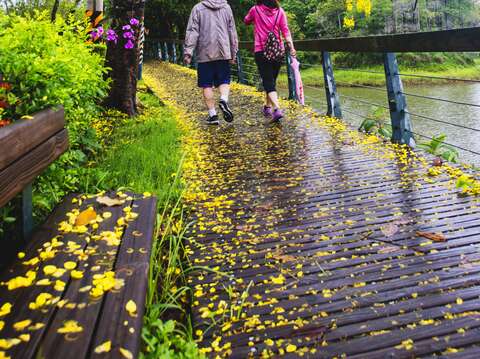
{"x":70,"y":326}
{"x":69,"y":265}
{"x":76,"y":274}
{"x":126,"y":353}
{"x":19,"y":326}
{"x":291,"y":348}
{"x":104,"y":348}
{"x":131,"y":308}
{"x":5,"y":309}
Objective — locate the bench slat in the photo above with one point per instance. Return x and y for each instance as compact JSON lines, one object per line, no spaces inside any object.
{"x":54,"y":345}
{"x":132,"y":265}
{"x":23,"y":136}
{"x":24,"y":170}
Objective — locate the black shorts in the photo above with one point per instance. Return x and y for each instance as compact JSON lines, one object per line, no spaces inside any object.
{"x":268,"y":72}
{"x":213,"y":73}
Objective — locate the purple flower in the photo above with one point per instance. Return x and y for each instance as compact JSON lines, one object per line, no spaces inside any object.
{"x":128,"y":35}
{"x":126,"y":27}
{"x":100,"y":31}
{"x":129,"y":44}
{"x":112,"y":36}
{"x":134,"y":22}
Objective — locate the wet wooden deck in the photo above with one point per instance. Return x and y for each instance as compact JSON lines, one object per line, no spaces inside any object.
{"x":312,"y":233}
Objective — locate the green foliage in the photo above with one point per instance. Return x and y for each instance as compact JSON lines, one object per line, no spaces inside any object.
{"x":165,"y":340}
{"x":377,"y":123}
{"x":437,"y":147}
{"x":29,"y":7}
{"x":48,"y":65}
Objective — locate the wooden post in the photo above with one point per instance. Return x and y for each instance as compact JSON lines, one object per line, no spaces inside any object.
{"x":333,"y":102}
{"x":25,"y":213}
{"x":401,"y":124}
{"x":241,"y":75}
{"x":292,"y":86}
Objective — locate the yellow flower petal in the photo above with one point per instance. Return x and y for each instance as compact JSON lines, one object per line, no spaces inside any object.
{"x":19,"y":326}
{"x":69,"y":265}
{"x":5,"y":309}
{"x":21,"y":255}
{"x":104,"y":348}
{"x":70,"y":326}
{"x":126,"y":353}
{"x":76,"y":274}
{"x":49,"y":270}
{"x":131,"y":308}
{"x":291,"y":348}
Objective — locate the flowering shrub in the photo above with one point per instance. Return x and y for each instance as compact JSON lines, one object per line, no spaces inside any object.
{"x":129,"y":34}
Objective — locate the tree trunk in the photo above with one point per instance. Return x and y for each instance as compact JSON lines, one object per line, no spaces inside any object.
{"x":123,"y":62}
{"x":54,"y":10}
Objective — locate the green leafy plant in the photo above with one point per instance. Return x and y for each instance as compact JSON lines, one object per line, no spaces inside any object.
{"x":45,"y":65}
{"x":437,"y":146}
{"x":375,"y":123}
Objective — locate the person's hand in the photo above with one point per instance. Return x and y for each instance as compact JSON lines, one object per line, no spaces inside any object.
{"x":232,"y":61}
{"x":187,"y":59}
{"x":293,"y":52}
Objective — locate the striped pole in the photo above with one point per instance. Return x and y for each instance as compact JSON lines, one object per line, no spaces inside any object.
{"x":141,"y":43}
{"x":94,"y":13}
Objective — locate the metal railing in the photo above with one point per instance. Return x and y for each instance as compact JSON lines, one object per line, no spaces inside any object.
{"x":463,"y":40}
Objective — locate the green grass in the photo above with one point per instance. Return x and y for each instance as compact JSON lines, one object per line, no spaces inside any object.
{"x":145,"y":153}
{"x":314,"y":76}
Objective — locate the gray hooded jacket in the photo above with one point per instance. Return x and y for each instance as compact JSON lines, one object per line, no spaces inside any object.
{"x":211,"y":32}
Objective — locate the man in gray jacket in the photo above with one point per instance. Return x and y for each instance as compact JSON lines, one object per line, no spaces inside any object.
{"x":211,"y":33}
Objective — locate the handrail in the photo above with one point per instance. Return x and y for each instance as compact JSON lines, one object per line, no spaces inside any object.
{"x":458,"y":40}
{"x":461,"y":40}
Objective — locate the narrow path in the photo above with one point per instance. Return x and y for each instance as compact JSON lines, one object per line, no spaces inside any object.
{"x":311,"y":230}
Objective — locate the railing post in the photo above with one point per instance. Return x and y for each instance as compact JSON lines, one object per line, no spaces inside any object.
{"x":292,"y":86}
{"x":159,"y":51}
{"x":24,"y":213}
{"x":165,"y":52}
{"x":241,"y":75}
{"x":401,"y":124}
{"x":182,"y":53}
{"x":174,"y":53}
{"x":333,"y":102}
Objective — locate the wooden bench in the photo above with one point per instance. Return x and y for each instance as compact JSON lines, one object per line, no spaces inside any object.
{"x":77,"y":289}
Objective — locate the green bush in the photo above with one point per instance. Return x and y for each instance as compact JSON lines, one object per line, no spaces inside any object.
{"x":49,"y":64}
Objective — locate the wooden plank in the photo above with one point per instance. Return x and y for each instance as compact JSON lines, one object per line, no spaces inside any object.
{"x":23,"y":136}
{"x":25,"y":169}
{"x":132,"y":265}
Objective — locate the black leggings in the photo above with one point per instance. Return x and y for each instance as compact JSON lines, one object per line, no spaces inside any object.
{"x":268,"y":71}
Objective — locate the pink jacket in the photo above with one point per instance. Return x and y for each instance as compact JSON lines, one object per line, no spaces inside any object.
{"x":263,"y":19}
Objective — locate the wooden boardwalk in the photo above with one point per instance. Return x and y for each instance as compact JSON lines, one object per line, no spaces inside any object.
{"x":312,"y":233}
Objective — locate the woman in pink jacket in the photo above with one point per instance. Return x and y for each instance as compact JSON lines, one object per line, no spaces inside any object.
{"x":268,"y":17}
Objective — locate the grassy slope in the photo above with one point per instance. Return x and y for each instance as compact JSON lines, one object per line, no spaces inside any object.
{"x":314,"y":76}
